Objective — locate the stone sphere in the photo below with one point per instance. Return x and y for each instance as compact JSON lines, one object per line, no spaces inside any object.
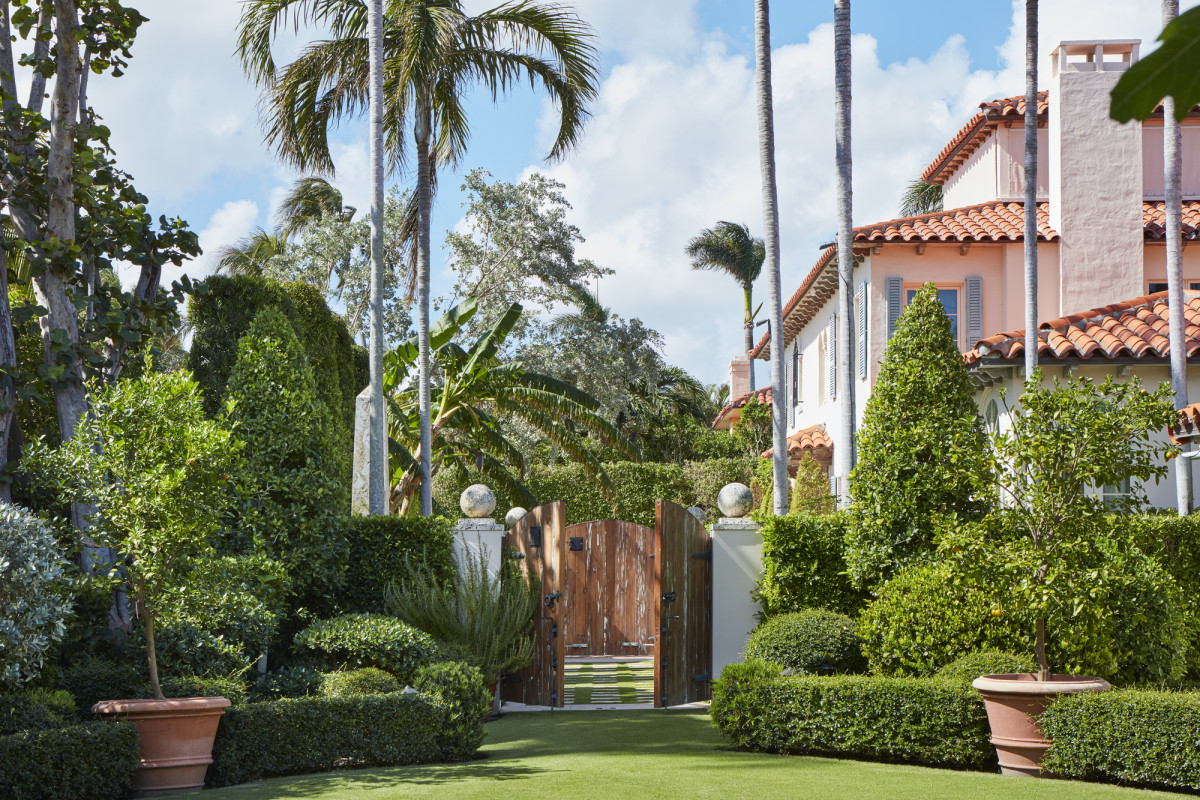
{"x":477,"y":501}
{"x":698,"y":513}
{"x":736,"y":500}
{"x":514,"y":516}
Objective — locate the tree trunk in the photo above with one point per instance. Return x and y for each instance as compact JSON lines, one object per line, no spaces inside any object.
{"x":748,"y":326}
{"x":770,"y":196}
{"x":845,"y":245}
{"x":378,"y":467}
{"x":41,"y":50}
{"x":8,"y":346}
{"x":423,"y":132}
{"x":1173,"y":204}
{"x":1039,"y":646}
{"x":151,"y":651}
{"x":1031,"y":241}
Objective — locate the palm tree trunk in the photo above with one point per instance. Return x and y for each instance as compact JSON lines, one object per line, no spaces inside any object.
{"x":423,"y":133}
{"x":8,"y":348}
{"x":748,"y":326}
{"x":1173,"y":202}
{"x":770,"y":195}
{"x":845,"y":246}
{"x":1031,"y":242}
{"x":377,"y":475}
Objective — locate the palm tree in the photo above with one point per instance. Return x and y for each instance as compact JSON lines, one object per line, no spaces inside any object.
{"x":251,"y":254}
{"x":432,"y":52}
{"x":1031,"y":129}
{"x":845,"y":238}
{"x":729,"y":247}
{"x":311,"y":199}
{"x":920,"y":197}
{"x":1173,"y":206}
{"x":770,"y":194}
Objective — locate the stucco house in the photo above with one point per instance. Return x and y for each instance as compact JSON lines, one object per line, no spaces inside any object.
{"x":1101,"y":257}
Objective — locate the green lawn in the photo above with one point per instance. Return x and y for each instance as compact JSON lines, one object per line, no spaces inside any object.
{"x":640,"y":755}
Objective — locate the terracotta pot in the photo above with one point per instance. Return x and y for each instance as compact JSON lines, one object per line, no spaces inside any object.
{"x":176,"y":740}
{"x":1014,"y":702}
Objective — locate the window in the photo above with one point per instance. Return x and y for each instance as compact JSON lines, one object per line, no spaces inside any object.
{"x":1110,"y":495}
{"x":949,"y":298}
{"x":1158,"y":286}
{"x":991,"y":416}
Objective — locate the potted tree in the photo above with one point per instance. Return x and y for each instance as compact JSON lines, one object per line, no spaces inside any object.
{"x":149,"y":475}
{"x":1070,"y":455}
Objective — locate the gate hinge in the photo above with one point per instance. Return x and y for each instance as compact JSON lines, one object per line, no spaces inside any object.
{"x":703,"y":556}
{"x":702,"y":677}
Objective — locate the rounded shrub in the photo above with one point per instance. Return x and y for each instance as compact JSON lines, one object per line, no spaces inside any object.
{"x":463,"y":694}
{"x":34,"y":595}
{"x":358,"y":682}
{"x":811,"y":640}
{"x":986,"y":662}
{"x":36,"y":710}
{"x":94,"y":679}
{"x":293,"y":681}
{"x":232,"y":689}
{"x":369,"y":640}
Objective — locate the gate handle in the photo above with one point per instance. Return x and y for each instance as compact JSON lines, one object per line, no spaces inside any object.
{"x":550,"y":598}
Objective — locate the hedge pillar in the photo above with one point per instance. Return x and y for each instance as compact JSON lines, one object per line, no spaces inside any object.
{"x":737,"y":565}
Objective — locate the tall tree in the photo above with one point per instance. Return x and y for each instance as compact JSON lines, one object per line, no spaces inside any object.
{"x":770,"y":196}
{"x":920,"y":197}
{"x":252,"y":254}
{"x":845,"y":242}
{"x":377,"y":423}
{"x":1173,"y":206}
{"x":728,"y":247}
{"x":1031,"y":144}
{"x":433,"y":50}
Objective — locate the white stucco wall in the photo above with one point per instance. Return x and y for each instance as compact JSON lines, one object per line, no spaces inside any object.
{"x":975,"y":180}
{"x":737,"y":565}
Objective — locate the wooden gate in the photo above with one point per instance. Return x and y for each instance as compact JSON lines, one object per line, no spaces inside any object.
{"x":537,"y":543}
{"x":609,"y":589}
{"x":683,"y":584}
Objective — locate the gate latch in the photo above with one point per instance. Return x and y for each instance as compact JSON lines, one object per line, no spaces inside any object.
{"x":669,"y":597}
{"x":550,"y":598}
{"x":575,"y":543}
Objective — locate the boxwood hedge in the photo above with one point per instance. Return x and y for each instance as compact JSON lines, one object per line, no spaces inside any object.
{"x":804,"y":565}
{"x":913,"y":720}
{"x":369,"y":640}
{"x":316,"y":734}
{"x":92,"y":761}
{"x":1141,"y":737}
{"x":386,"y":549}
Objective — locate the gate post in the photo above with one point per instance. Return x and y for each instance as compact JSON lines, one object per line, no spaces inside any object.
{"x":737,"y":547}
{"x":478,"y":532}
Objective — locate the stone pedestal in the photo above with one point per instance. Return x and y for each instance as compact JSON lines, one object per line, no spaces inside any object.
{"x":737,"y":547}
{"x":473,"y":536}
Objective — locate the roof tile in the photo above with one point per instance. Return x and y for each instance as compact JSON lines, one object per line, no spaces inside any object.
{"x":976,"y":131}
{"x":814,"y":438}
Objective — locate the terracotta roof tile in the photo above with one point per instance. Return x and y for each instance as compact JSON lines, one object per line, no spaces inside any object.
{"x":1154,"y":220}
{"x":814,"y":438}
{"x":987,"y":222}
{"x":1187,"y":429}
{"x":764,"y":395}
{"x":1134,"y":329}
{"x":976,"y":132}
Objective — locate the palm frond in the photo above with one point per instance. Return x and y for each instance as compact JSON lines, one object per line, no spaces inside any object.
{"x":728,"y":247}
{"x":919,"y":198}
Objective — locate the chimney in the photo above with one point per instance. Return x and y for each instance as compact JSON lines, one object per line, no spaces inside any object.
{"x":1095,"y":177}
{"x":739,"y":376}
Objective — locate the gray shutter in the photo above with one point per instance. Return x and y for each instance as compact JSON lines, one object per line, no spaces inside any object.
{"x":974,"y":309}
{"x":895,"y":303}
{"x":831,"y":360}
{"x":862,"y":330}
{"x":796,"y":374}
{"x":832,"y":483}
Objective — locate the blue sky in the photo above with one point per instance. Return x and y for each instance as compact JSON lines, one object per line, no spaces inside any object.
{"x":671,"y":148}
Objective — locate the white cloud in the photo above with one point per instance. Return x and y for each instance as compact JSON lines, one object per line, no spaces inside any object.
{"x":228,"y":223}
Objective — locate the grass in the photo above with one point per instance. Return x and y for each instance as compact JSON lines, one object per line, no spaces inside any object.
{"x":651,"y":754}
{"x":616,"y":683}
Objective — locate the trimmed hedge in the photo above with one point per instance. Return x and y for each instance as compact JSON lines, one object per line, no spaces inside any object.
{"x":462,"y":693}
{"x":804,"y":565}
{"x":986,"y":662}
{"x":92,"y":761}
{"x":358,"y":682}
{"x":1146,"y":738}
{"x":316,"y":734}
{"x":911,"y":720}
{"x":1175,"y":543}
{"x":811,"y":640}
{"x":36,"y":710}
{"x":390,"y":549}
{"x":370,"y":640}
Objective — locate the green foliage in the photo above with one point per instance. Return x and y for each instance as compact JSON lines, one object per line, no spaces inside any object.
{"x":369,"y":640}
{"x":1053,"y":554}
{"x":489,"y":619}
{"x":935,"y":722}
{"x":804,"y":565}
{"x":461,"y":691}
{"x":392,"y":549}
{"x":1170,"y":71}
{"x":358,"y":682}
{"x":35,"y":710}
{"x":290,"y":474}
{"x":1175,"y":543}
{"x":156,"y":472}
{"x":222,"y":310}
{"x":811,"y":640}
{"x":232,"y":689}
{"x":94,"y":679}
{"x":752,"y":431}
{"x":35,"y":594}
{"x":986,"y":662}
{"x":92,"y":761}
{"x":1130,"y":737}
{"x":922,"y":448}
{"x":706,"y":479}
{"x":317,"y":734}
{"x":292,"y":681}
{"x":187,"y":647}
{"x":810,"y":489}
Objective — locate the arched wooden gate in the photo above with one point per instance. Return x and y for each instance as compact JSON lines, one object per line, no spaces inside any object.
{"x":618,"y":588}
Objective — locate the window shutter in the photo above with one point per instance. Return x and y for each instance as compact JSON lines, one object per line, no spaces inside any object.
{"x":895,"y":303}
{"x":832,"y":483}
{"x":831,"y":361}
{"x":862,"y":330}
{"x":974,"y":309}
{"x":796,"y":374}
